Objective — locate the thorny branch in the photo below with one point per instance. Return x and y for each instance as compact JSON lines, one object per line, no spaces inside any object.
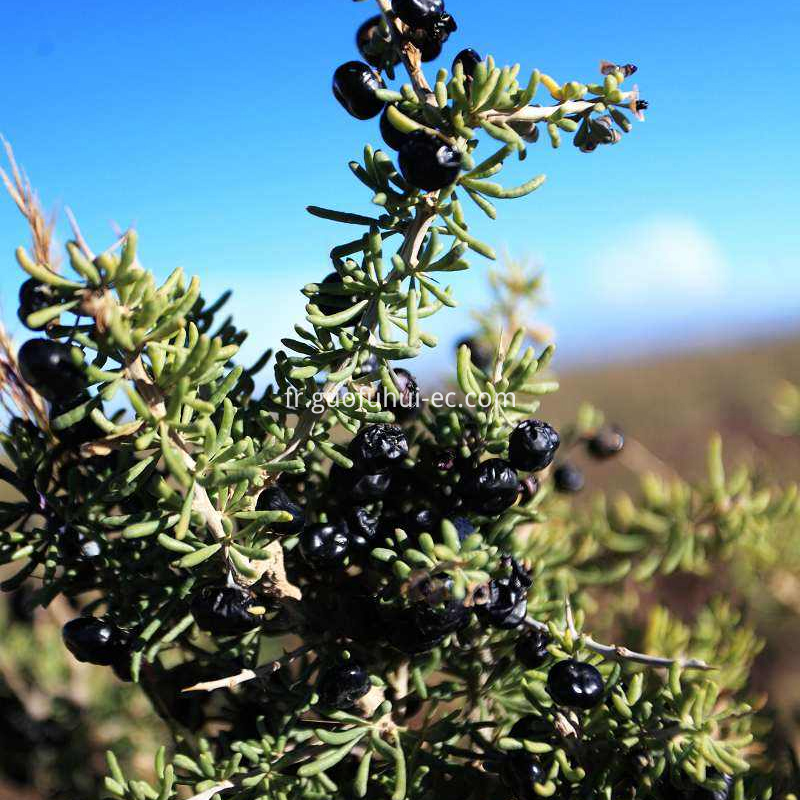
{"x":618,"y":653}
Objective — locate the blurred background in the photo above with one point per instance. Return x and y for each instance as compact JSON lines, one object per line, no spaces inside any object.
{"x":670,"y":261}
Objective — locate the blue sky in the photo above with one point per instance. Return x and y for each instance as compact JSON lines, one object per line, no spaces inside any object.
{"x":211,"y":126}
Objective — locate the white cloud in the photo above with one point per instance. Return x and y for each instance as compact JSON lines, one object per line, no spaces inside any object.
{"x":663,"y":260}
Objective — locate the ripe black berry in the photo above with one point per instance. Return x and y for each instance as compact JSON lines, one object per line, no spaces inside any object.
{"x":575,"y":684}
{"x":519,"y":771}
{"x":47,"y":366}
{"x":354,"y":86}
{"x":429,"y":163}
{"x":422,"y":627}
{"x":606,"y":443}
{"x":469,"y":59}
{"x":274,"y":498}
{"x":430,"y":47}
{"x":532,"y":727}
{"x":94,"y":641}
{"x":393,"y":137}
{"x":33,"y":296}
{"x":404,"y":406}
{"x":374,"y":42}
{"x":507,"y":600}
{"x":531,"y":648}
{"x":342,"y":685}
{"x":223,"y":610}
{"x":350,"y":486}
{"x":364,"y":527}
{"x":418,"y":13}
{"x":378,"y":448}
{"x":507,"y":606}
{"x":440,"y":620}
{"x":325,"y":545}
{"x":491,"y":487}
{"x":532,"y":445}
{"x":568,"y":479}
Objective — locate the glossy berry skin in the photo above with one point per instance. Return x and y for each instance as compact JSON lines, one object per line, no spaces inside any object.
{"x":223,"y":611}
{"x":507,"y":602}
{"x":354,"y":86}
{"x":393,"y":137}
{"x":275,"y":498}
{"x":532,"y":445}
{"x":378,"y":448}
{"x":507,"y":606}
{"x":531,"y":649}
{"x":469,"y":59}
{"x":325,"y":545}
{"x":374,"y":43}
{"x":606,"y":443}
{"x":491,"y":487}
{"x":418,"y":13}
{"x":364,"y":528}
{"x":429,"y":46}
{"x":429,"y":163}
{"x":47,"y":367}
{"x":568,"y":479}
{"x":519,"y":771}
{"x":94,"y":641}
{"x":575,"y":684}
{"x":423,"y":627}
{"x":33,"y":296}
{"x":352,"y":487}
{"x":406,"y":405}
{"x":441,"y":620}
{"x":439,"y":29}
{"x":342,"y":685}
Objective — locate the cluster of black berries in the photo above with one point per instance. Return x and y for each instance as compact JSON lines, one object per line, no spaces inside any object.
{"x":54,"y":369}
{"x":604,"y":444}
{"x":428,"y":25}
{"x":428,"y":161}
{"x":377,"y":452}
{"x":571,"y":684}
